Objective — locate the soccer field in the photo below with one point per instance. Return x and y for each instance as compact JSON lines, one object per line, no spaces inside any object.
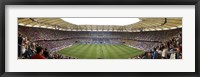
{"x":105,"y":51}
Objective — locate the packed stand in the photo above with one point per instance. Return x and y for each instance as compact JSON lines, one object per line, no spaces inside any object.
{"x":28,"y":49}
{"x":171,"y":49}
{"x":164,"y":43}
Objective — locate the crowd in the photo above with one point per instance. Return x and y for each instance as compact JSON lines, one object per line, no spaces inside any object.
{"x":98,"y":41}
{"x":49,"y":34}
{"x":170,"y":49}
{"x":43,"y":34}
{"x":154,"y":35}
{"x":143,"y":45}
{"x":54,"y":45}
{"x":156,"y":44}
{"x":28,"y":49}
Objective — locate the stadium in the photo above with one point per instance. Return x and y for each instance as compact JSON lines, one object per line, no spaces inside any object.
{"x":57,"y":38}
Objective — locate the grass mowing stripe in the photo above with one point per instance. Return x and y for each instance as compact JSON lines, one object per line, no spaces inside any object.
{"x":126,"y":50}
{"x":138,"y":51}
{"x":98,"y":51}
{"x":75,"y":49}
{"x":121,"y":52}
{"x":83,"y":52}
{"x":133,"y":51}
{"x":73,"y":46}
{"x":108,"y":51}
{"x":107,"y":55}
{"x":90,"y":53}
{"x":114,"y":52}
{"x":131,"y":48}
{"x":104,"y":52}
{"x":122,"y":49}
{"x":70,"y":49}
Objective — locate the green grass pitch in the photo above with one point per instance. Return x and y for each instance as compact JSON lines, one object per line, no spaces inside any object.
{"x":105,"y":51}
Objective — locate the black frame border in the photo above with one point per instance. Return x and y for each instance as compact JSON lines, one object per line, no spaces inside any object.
{"x":3,"y":3}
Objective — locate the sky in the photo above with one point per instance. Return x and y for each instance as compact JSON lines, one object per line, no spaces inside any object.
{"x":102,"y":21}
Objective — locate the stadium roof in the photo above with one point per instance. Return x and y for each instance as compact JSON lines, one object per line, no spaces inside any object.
{"x":144,"y":24}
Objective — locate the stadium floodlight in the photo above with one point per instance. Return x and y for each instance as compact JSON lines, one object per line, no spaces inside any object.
{"x":21,"y":24}
{"x":29,"y":25}
{"x":36,"y":26}
{"x":102,"y":21}
{"x":50,"y":27}
{"x":173,"y":27}
{"x":165,"y":28}
{"x":179,"y":26}
{"x":43,"y":26}
{"x":152,"y":29}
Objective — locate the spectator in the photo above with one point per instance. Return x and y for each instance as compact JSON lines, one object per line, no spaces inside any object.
{"x":165,"y":51}
{"x":46,"y":53}
{"x":20,"y":39}
{"x":39,"y":54}
{"x":155,"y":54}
